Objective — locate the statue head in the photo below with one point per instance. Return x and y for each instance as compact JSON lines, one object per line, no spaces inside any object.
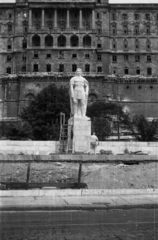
{"x":78,"y":72}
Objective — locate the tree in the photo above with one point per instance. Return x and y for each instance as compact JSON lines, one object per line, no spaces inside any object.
{"x":43,"y":113}
{"x":102,"y":115}
{"x":143,"y":129}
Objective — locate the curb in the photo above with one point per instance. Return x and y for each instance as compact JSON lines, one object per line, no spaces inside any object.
{"x":80,"y":192}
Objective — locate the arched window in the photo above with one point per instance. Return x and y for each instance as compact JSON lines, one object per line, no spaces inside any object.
{"x":36,"y":41}
{"x":148,"y":29}
{"x":114,"y":45}
{"x":48,"y":41}
{"x":148,"y":45}
{"x":125,"y":44}
{"x":86,"y":41}
{"x":61,"y":41}
{"x":136,"y":30}
{"x":74,"y":41}
{"x":137,"y":44}
{"x":114,"y":29}
{"x":28,"y":98}
{"x":125,"y":30}
{"x":24,"y":43}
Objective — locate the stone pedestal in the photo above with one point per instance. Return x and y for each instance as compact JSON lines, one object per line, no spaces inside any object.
{"x":79,"y":134}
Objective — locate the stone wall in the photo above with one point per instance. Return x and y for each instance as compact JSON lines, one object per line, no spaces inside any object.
{"x":48,"y":147}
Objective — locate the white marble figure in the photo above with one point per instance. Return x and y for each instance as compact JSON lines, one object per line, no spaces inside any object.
{"x":79,"y":89}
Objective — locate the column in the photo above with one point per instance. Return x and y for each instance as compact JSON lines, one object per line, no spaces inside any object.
{"x":68,"y":19}
{"x":80,"y":20}
{"x":30,"y":18}
{"x":55,"y":18}
{"x":43,"y":17}
{"x":93,"y":19}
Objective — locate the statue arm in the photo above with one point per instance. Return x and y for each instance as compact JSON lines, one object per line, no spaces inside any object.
{"x":71,"y":88}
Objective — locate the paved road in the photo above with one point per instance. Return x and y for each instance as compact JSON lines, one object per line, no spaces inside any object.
{"x":135,"y":224}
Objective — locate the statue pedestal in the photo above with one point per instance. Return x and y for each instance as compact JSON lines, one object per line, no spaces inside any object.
{"x":79,"y":134}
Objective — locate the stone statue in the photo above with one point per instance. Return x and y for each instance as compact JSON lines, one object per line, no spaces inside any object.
{"x":79,"y":89}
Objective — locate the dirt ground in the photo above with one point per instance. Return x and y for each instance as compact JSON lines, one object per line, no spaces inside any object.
{"x":96,"y":176}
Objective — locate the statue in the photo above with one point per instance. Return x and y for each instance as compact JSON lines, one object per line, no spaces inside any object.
{"x":79,"y":89}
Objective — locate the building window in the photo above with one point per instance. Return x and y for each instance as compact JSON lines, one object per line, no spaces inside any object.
{"x":9,"y":47}
{"x":114,"y":30}
{"x":10,"y":15}
{"x":137,"y":70}
{"x":124,"y":16}
{"x":61,"y":55}
{"x":98,"y":15}
{"x":48,"y":68}
{"x":99,"y":45}
{"x":113,"y":16}
{"x":114,"y":58}
{"x":35,"y":67}
{"x":136,"y":16}
{"x":9,"y":70}
{"x":125,"y":30}
{"x":148,"y":45}
{"x":147,"y":16}
{"x":137,"y":58}
{"x":74,"y":67}
{"x":148,"y":58}
{"x":126,"y":58}
{"x":9,"y":28}
{"x":61,"y":67}
{"x":147,"y":30}
{"x":74,"y":55}
{"x":87,"y":55}
{"x":125,"y":44}
{"x":87,"y":68}
{"x":23,"y":68}
{"x":126,"y":71}
{"x":24,"y":58}
{"x":99,"y":57}
{"x":35,"y":55}
{"x":24,"y":44}
{"x":137,"y":45}
{"x":99,"y":69}
{"x":9,"y":58}
{"x":114,"y":45}
{"x":136,"y":30}
{"x":48,"y":55}
{"x":149,"y":71}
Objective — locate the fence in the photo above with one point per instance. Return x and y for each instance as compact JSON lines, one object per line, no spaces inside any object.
{"x":77,"y":159}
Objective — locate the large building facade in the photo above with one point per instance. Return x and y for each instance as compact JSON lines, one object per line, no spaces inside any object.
{"x":116,"y":45}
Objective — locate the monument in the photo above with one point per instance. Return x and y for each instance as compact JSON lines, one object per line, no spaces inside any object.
{"x":79,"y":131}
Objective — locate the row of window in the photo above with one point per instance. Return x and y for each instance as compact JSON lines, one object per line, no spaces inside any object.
{"x":136,"y":31}
{"x":137,"y":58}
{"x":49,"y":56}
{"x":60,"y":69}
{"x":126,"y":45}
{"x":137,"y":16}
{"x":61,"y":41}
{"x":138,"y":71}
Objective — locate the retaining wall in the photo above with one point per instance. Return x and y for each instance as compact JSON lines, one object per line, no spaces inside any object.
{"x":47,"y":147}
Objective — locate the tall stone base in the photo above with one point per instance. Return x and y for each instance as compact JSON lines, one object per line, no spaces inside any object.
{"x":79,"y":134}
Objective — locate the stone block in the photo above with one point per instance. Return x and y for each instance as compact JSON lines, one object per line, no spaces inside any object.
{"x":81,"y":134}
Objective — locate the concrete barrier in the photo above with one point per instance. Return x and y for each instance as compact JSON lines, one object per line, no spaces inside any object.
{"x":47,"y":147}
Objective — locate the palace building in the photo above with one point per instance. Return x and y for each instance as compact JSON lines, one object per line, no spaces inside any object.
{"x":43,"y":42}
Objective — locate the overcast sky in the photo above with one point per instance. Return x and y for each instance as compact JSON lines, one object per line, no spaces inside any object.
{"x":110,"y":1}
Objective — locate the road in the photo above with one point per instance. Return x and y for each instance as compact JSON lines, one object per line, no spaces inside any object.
{"x":133,"y":224}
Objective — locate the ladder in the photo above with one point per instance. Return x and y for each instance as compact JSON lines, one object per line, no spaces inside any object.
{"x":63,"y":139}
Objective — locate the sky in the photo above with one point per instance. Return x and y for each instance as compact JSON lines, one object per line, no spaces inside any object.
{"x":110,"y":1}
